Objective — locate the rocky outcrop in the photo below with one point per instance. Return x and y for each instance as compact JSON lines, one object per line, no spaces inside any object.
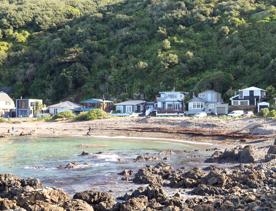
{"x":100,"y":201}
{"x":77,"y":205}
{"x":146,"y":157}
{"x":187,"y":179}
{"x":146,"y":176}
{"x":247,"y":154}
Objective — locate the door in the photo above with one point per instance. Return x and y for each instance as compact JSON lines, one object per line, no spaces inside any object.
{"x":251,"y":97}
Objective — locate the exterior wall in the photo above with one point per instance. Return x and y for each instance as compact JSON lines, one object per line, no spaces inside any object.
{"x":170,"y":102}
{"x":54,"y":111}
{"x":221,"y":109}
{"x":130,"y":108}
{"x":25,"y":107}
{"x":196,"y":107}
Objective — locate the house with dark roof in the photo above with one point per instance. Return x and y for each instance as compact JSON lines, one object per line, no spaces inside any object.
{"x":62,"y":107}
{"x":131,"y":106}
{"x":208,"y":101}
{"x":249,"y":99}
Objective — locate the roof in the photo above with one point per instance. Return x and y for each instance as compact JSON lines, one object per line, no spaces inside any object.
{"x":232,"y":98}
{"x":131,"y":102}
{"x":252,"y":88}
{"x":6,"y":98}
{"x":95,"y":100}
{"x":197,"y":99}
{"x":66,"y":104}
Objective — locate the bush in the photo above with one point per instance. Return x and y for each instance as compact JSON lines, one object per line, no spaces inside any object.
{"x":64,"y":115}
{"x":272,"y":114}
{"x":2,"y":120}
{"x":92,"y":115}
{"x":264,"y":112}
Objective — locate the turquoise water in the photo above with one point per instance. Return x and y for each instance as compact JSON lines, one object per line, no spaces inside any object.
{"x":42,"y":158}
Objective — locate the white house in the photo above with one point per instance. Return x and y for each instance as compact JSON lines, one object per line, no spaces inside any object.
{"x":170,"y":102}
{"x":250,"y":96}
{"x":208,"y":101}
{"x":28,"y":107}
{"x":6,"y":104}
{"x":62,"y":107}
{"x":131,"y":106}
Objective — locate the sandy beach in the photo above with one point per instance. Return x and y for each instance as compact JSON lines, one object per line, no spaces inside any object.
{"x":179,"y":128}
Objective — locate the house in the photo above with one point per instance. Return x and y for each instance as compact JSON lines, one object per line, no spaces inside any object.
{"x":95,"y":103}
{"x":248,"y":98}
{"x":170,"y":102}
{"x":62,"y":107}
{"x":6,"y":105}
{"x":208,"y":101}
{"x":131,"y":106}
{"x":28,"y":107}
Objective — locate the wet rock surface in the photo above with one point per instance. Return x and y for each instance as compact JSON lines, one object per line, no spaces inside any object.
{"x":246,"y":154}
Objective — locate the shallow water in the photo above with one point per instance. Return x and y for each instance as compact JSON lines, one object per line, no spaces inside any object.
{"x":42,"y":157}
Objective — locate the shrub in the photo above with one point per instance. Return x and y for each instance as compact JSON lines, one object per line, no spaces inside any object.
{"x":264,"y":112}
{"x":2,"y":120}
{"x":92,"y":115}
{"x":64,"y":115}
{"x":272,"y":114}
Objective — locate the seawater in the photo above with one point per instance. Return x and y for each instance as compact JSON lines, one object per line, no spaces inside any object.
{"x":43,"y":158}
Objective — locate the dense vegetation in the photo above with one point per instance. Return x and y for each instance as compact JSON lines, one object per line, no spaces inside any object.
{"x":92,"y":115}
{"x":134,"y":48}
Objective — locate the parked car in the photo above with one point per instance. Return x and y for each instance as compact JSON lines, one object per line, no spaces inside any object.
{"x":201,"y":114}
{"x":236,"y":113}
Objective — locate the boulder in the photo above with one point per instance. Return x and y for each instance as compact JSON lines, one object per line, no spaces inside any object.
{"x":77,"y":205}
{"x":144,"y":158}
{"x":146,"y":176}
{"x":272,"y":149}
{"x":99,"y":200}
{"x":188,"y":179}
{"x":205,"y":190}
{"x":84,"y":153}
{"x":247,"y":154}
{"x":42,"y":197}
{"x":6,"y":204}
{"x":215,"y":178}
{"x":151,"y":192}
{"x":136,"y":203}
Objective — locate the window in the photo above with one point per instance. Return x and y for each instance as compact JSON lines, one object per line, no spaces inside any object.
{"x":235,"y":103}
{"x":128,"y":109}
{"x":169,"y":106}
{"x":244,"y":103}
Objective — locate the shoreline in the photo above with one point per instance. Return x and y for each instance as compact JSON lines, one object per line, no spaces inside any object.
{"x":181,"y":129}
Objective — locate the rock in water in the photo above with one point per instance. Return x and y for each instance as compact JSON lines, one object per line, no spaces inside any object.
{"x":133,"y":204}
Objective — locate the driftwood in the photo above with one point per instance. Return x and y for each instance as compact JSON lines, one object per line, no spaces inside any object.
{"x":192,"y":131}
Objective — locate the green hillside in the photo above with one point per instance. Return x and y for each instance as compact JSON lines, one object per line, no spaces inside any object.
{"x":72,"y":49}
